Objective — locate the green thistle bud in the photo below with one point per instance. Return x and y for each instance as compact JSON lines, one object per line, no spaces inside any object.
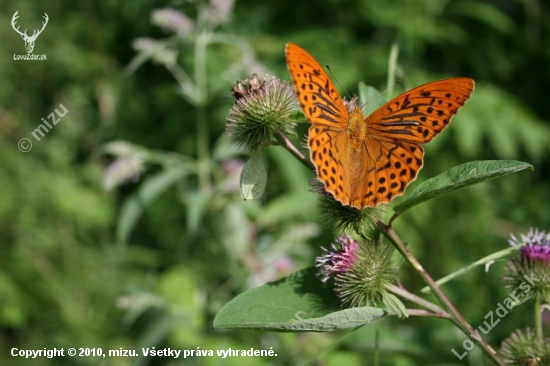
{"x":361,"y":270}
{"x":262,"y":108}
{"x":523,"y":348}
{"x":345,"y":218}
{"x":529,"y":271}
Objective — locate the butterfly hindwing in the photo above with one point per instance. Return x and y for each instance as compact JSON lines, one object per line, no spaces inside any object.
{"x":326,"y":154}
{"x":391,"y":167}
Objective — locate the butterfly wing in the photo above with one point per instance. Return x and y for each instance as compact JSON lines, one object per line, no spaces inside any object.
{"x":421,"y":113}
{"x":318,"y":97}
{"x":327,"y":150}
{"x":395,"y":132}
{"x":391,"y":166}
{"x":327,"y":113}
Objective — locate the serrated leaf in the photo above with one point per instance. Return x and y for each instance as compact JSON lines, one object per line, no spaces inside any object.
{"x":297,"y":303}
{"x":253,"y":178}
{"x":393,"y":302}
{"x":371,"y":95}
{"x":459,"y":177}
{"x":148,"y":191}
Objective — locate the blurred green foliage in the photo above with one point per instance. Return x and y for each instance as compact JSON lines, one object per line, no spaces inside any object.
{"x":150,"y":262}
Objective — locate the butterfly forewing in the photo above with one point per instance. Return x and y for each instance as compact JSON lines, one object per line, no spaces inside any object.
{"x":421,"y":113}
{"x":318,"y":97}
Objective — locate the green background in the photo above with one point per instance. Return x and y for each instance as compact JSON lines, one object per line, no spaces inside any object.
{"x":80,"y":266}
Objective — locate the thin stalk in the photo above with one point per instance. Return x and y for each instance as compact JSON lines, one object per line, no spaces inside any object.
{"x":485,"y":260}
{"x":377,"y":344}
{"x":285,"y":142}
{"x":203,"y":151}
{"x":417,"y":300}
{"x":455,"y":316}
{"x":200,"y":65}
{"x":538,"y":320}
{"x":187,"y":86}
{"x":418,"y":312}
{"x":392,"y":63}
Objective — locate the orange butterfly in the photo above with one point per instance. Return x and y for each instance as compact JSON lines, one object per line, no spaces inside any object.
{"x":365,"y":162}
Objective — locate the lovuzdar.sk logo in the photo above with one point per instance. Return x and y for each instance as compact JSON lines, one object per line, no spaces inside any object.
{"x":29,"y":40}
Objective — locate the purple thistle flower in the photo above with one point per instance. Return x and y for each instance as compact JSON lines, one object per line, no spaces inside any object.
{"x":123,"y":170}
{"x":338,"y":260}
{"x":172,"y":20}
{"x":536,"y":245}
{"x":361,"y":270}
{"x":533,"y":260}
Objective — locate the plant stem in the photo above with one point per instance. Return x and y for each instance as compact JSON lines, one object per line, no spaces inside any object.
{"x":418,"y":300}
{"x":417,"y":312}
{"x":455,"y":316}
{"x":203,"y":151}
{"x":392,"y":63}
{"x":377,"y":344}
{"x":538,"y":320}
{"x":487,"y":259}
{"x":285,"y":142}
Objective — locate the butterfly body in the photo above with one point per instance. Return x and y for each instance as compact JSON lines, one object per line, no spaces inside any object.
{"x":362,"y":161}
{"x":357,"y":128}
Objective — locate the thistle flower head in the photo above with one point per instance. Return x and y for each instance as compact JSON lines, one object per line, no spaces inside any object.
{"x":533,"y":261}
{"x":144,"y":44}
{"x":130,"y":161}
{"x":345,"y":218}
{"x":535,"y":246}
{"x":523,"y":348}
{"x":173,"y":21}
{"x":361,"y":270}
{"x":262,"y":108}
{"x":337,"y":260}
{"x":123,"y":170}
{"x":216,"y":12}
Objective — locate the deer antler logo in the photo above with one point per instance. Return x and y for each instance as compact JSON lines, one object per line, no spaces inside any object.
{"x":29,"y":41}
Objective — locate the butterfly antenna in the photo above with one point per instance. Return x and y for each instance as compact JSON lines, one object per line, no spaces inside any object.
{"x":384,"y":92}
{"x":328,"y":68}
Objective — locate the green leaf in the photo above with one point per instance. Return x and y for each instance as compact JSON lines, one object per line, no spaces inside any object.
{"x":134,"y":206}
{"x":393,"y":302}
{"x":288,"y":207}
{"x":485,"y":13}
{"x":371,"y":95}
{"x":297,"y":117}
{"x":297,"y":303}
{"x":458,"y":177}
{"x":197,"y":205}
{"x":296,"y":176}
{"x":253,"y":178}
